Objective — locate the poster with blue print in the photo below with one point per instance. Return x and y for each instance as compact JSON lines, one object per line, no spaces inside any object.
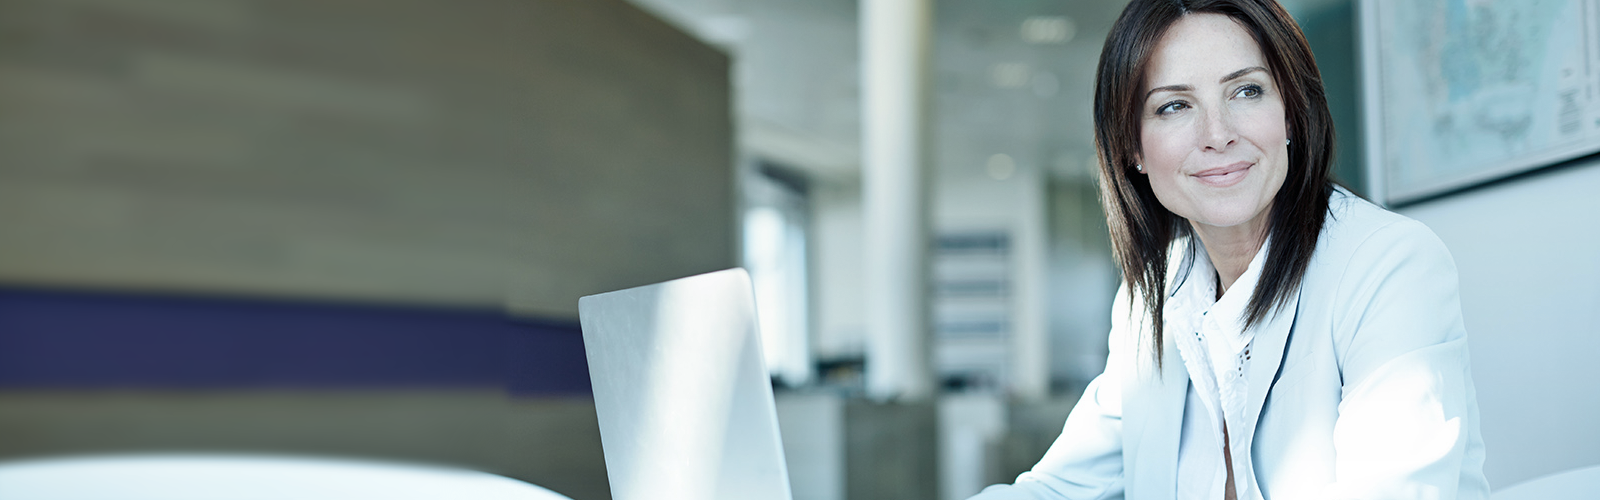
{"x":1459,"y":93}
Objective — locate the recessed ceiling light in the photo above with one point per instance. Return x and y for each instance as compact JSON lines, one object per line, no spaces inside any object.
{"x":1048,"y":29}
{"x":1000,"y":166}
{"x":1009,"y":75}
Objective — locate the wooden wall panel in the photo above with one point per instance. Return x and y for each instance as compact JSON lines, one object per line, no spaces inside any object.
{"x":449,"y":152}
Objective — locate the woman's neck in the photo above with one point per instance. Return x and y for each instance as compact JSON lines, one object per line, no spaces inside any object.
{"x":1231,"y":249}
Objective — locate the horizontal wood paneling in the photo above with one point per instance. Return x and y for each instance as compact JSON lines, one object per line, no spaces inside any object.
{"x":464,"y":152}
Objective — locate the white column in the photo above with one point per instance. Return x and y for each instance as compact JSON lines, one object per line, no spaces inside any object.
{"x":1030,"y":344}
{"x":895,"y":47}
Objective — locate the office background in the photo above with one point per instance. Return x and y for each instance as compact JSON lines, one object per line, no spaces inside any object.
{"x":360,"y":228}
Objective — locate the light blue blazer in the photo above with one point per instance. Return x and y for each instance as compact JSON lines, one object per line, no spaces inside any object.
{"x":1360,"y":387}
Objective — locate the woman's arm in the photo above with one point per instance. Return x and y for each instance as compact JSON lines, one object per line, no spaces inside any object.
{"x":1085,"y":462}
{"x":1407,"y":425}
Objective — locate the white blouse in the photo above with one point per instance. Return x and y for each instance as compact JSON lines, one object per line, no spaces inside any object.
{"x":1215,"y":347}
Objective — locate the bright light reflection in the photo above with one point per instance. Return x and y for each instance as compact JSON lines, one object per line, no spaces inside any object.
{"x":691,"y":383}
{"x":775,"y":257}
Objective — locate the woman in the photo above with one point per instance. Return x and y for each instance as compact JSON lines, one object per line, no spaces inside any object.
{"x":1275,"y":337}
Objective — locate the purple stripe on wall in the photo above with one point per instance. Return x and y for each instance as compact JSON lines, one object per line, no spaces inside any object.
{"x":62,"y":339}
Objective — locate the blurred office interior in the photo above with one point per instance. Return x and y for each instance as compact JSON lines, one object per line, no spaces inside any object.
{"x":359,"y":228}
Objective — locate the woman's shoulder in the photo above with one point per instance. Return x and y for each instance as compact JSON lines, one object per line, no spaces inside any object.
{"x":1356,"y":227}
{"x":1363,"y":248}
{"x":1384,"y":285}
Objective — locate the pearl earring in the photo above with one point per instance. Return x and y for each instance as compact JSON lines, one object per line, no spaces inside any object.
{"x":1139,"y":167}
{"x":1287,"y":141}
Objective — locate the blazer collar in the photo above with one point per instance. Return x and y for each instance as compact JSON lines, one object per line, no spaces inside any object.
{"x":1270,"y":337}
{"x":1154,"y":436}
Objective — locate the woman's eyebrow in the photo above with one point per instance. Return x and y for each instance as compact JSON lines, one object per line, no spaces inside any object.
{"x":1168,"y":88}
{"x":1186,"y":88}
{"x":1240,"y":73}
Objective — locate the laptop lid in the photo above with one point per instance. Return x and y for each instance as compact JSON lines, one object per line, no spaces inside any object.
{"x":682,"y":392}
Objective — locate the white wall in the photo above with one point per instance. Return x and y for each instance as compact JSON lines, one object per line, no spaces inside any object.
{"x":1528,"y":252}
{"x":839,"y":318}
{"x":1083,"y":281}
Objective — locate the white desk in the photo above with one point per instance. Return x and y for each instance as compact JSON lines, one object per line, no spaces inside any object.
{"x":1574,"y":484}
{"x":249,"y":477}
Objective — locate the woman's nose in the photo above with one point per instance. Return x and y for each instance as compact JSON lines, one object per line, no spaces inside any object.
{"x":1217,"y":129}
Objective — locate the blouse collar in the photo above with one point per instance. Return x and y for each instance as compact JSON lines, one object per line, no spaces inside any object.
{"x":1194,"y":292}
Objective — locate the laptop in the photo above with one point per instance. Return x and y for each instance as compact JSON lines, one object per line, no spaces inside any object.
{"x":682,"y":392}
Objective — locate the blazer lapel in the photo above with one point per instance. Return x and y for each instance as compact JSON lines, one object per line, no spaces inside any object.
{"x":1267,"y":356}
{"x":1158,"y":399}
{"x":1267,"y":353}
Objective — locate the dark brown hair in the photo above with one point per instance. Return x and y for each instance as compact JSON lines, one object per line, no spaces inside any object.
{"x":1142,"y":230}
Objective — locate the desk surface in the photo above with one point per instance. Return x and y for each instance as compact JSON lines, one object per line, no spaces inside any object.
{"x":249,"y":477}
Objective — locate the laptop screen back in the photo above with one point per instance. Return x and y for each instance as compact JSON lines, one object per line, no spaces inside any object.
{"x":682,"y":393}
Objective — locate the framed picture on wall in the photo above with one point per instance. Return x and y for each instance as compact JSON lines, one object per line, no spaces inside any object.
{"x":1458,"y":93}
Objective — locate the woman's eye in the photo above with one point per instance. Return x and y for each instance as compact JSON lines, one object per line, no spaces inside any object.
{"x":1249,"y":91}
{"x":1171,"y":107}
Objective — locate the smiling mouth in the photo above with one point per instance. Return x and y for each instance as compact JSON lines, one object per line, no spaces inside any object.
{"x":1224,"y":176}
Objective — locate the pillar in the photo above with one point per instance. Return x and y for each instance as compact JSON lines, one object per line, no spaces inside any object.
{"x":895,"y":53}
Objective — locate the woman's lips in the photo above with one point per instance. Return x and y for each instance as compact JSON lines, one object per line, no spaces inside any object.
{"x":1224,"y":176}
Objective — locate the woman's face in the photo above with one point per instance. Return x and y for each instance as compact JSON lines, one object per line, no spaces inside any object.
{"x":1213,"y":126}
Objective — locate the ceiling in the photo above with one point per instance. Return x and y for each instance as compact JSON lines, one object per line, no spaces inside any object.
{"x":1012,"y":78}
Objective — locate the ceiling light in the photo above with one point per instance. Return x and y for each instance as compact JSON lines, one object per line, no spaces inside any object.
{"x":1000,"y":166}
{"x":1009,"y":75}
{"x":1048,"y":29}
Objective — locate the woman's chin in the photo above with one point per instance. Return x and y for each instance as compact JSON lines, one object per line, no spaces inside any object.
{"x":1228,"y":217}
